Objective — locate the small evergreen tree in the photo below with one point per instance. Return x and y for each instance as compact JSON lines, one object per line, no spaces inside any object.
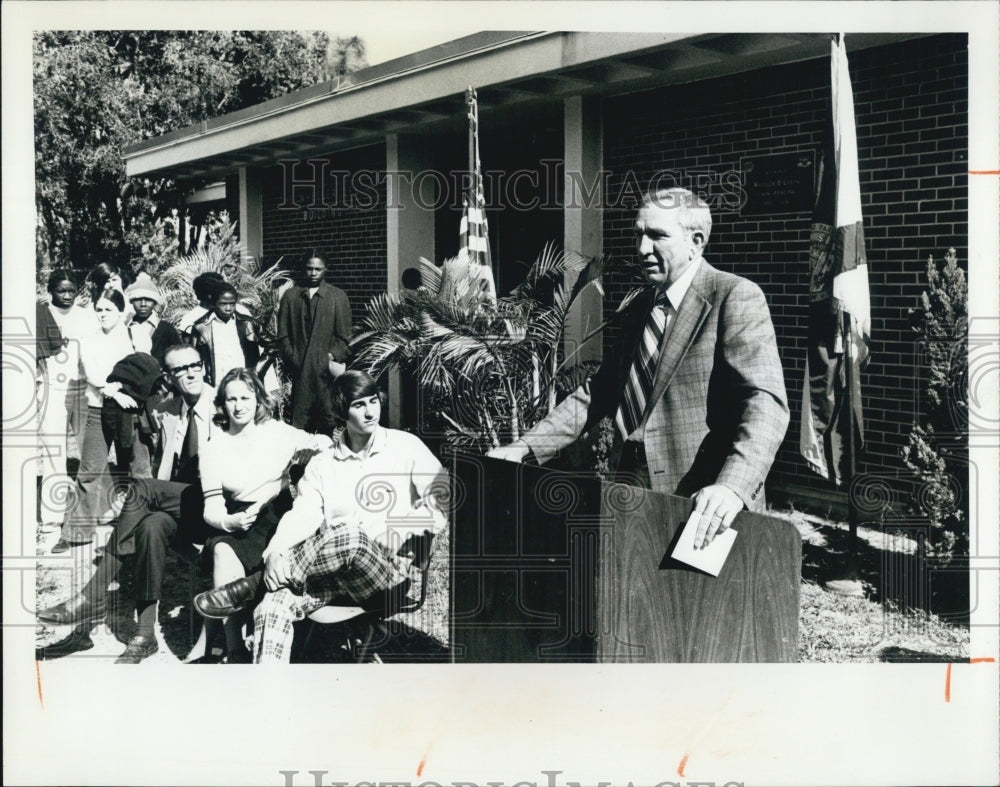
{"x":937,"y":445}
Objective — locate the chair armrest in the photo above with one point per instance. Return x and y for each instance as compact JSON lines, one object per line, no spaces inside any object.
{"x":418,"y":548}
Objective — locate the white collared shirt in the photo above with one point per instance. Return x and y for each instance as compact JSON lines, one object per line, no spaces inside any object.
{"x":142,"y":333}
{"x":226,"y":346}
{"x":676,"y":292}
{"x":399,"y":481}
{"x":203,"y":412}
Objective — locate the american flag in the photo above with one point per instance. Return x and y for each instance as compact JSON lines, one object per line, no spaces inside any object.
{"x":840,"y":309}
{"x":473,"y":231}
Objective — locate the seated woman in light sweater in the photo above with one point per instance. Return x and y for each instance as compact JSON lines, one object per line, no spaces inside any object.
{"x":244,"y":478}
{"x":345,"y":540}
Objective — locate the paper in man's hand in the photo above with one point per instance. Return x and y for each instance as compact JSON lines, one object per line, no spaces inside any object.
{"x":710,"y":559}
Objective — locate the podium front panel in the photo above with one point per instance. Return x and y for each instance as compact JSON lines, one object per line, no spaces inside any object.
{"x":524,"y":549}
{"x":652,"y":608}
{"x":550,"y":566}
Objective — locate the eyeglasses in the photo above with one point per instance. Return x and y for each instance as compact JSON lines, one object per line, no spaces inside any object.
{"x":177,"y":371}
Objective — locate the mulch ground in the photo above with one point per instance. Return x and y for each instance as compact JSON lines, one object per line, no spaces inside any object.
{"x":881,"y":626}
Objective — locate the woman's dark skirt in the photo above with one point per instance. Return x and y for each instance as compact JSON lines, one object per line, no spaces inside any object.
{"x":249,"y":544}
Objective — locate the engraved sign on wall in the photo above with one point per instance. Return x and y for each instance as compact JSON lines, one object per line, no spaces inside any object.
{"x":781,"y":183}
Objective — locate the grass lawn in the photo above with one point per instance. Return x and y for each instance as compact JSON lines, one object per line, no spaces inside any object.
{"x":832,"y":628}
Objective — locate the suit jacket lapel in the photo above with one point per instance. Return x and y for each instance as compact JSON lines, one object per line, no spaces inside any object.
{"x":171,"y":415}
{"x":687,"y":322}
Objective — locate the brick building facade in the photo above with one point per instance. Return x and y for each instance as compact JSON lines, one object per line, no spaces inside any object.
{"x":911,"y":104}
{"x":631,"y":107}
{"x":350,"y":230}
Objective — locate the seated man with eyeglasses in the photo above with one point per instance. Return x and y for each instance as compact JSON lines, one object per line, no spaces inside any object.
{"x":158,"y":513}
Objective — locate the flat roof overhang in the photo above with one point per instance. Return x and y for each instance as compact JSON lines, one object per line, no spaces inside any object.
{"x":424,"y":91}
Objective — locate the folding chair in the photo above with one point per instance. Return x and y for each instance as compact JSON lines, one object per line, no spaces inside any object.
{"x":191,"y":555}
{"x":371,"y":619}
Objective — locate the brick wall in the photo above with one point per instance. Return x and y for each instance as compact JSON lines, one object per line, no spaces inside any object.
{"x":911,"y":108}
{"x":351,"y":231}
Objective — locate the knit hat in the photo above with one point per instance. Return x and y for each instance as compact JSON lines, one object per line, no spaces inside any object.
{"x":143,"y":287}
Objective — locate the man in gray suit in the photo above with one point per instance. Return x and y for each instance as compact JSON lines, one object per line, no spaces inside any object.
{"x":159,"y":513}
{"x":697,"y":392}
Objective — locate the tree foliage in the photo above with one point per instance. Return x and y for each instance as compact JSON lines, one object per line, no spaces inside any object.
{"x":937,"y":448}
{"x":97,"y":92}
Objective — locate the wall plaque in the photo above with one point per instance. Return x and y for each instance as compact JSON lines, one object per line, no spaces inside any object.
{"x":782,"y":183}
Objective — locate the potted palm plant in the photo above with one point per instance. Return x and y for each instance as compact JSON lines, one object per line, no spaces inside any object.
{"x":488,"y":368}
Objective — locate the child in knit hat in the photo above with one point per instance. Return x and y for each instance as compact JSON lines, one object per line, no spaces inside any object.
{"x":149,"y":333}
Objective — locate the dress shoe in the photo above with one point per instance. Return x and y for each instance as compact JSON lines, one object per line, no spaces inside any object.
{"x":75,"y":611}
{"x":75,"y":643}
{"x":238,"y":656}
{"x":62,"y":545}
{"x":138,"y":648}
{"x":209,"y":658}
{"x":221,"y":602}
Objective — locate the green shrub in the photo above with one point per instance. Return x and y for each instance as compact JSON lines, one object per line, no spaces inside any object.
{"x":936,"y":451}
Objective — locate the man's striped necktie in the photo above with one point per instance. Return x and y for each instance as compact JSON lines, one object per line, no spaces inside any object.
{"x":640,"y":377}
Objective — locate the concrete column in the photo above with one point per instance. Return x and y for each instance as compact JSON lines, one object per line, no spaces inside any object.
{"x":583,"y":213}
{"x":409,"y":236}
{"x":251,"y":226}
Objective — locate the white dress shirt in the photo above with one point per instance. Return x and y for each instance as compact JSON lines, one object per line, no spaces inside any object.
{"x":142,"y":333}
{"x":398,"y":485}
{"x":226,"y":346}
{"x":676,"y":293}
{"x":204,"y":411}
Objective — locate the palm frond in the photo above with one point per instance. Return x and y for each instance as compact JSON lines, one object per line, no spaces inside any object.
{"x":258,"y":290}
{"x":377,"y":356}
{"x":492,"y":367}
{"x":430,"y":275}
{"x":383,"y":313}
{"x":591,"y":270}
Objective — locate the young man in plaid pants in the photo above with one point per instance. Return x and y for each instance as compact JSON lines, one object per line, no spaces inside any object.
{"x":356,"y":503}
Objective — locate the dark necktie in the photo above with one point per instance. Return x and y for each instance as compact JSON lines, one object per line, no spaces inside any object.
{"x":310,"y":310}
{"x":640,"y":377}
{"x":187,"y":464}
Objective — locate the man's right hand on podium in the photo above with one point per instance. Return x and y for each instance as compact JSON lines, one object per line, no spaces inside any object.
{"x":515,"y":452}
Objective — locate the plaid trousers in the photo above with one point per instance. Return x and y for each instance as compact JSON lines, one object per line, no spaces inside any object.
{"x":339,"y":563}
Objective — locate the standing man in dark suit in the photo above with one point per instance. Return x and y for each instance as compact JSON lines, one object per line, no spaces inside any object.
{"x":314,"y":327}
{"x":697,"y":392}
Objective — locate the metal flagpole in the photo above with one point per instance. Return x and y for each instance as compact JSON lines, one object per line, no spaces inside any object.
{"x":470,"y":195}
{"x":852,"y":511}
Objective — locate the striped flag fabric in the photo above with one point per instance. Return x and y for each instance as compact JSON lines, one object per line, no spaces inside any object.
{"x":839,"y":307}
{"x":473,"y":231}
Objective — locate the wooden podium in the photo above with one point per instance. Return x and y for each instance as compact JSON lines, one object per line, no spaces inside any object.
{"x":557,"y":567}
